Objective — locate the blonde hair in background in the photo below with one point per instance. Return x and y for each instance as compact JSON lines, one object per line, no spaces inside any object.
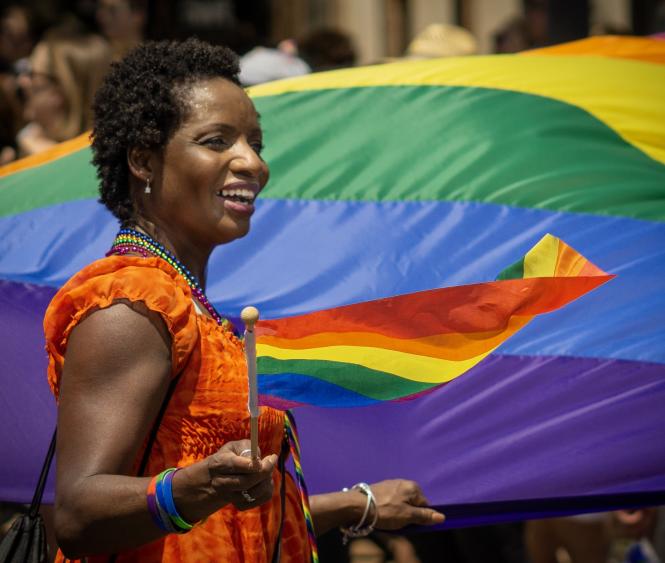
{"x":78,"y":62}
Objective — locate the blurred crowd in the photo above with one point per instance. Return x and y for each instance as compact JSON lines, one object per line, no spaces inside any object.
{"x":51,"y":66}
{"x":49,"y":71}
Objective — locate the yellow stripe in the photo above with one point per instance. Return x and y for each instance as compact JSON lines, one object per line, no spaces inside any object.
{"x":624,"y":94}
{"x":540,"y":261}
{"x":57,"y":151}
{"x":409,"y":366}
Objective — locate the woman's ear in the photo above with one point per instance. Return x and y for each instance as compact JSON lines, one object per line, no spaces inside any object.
{"x":140,"y":163}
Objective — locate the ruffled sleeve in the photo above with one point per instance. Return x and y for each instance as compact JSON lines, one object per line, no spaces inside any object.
{"x":148,"y":280}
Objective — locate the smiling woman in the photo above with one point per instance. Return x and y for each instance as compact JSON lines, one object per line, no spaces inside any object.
{"x":150,"y":380}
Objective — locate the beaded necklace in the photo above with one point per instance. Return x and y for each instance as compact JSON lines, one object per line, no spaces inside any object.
{"x":130,"y":240}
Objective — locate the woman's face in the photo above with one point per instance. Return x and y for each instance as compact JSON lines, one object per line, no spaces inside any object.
{"x":211,"y":170}
{"x":45,"y":101}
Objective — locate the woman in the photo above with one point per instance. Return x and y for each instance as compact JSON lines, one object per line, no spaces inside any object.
{"x":66,"y":68}
{"x":177,"y":146}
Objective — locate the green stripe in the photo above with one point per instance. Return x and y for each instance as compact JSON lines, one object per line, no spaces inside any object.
{"x":65,"y":179}
{"x":454,"y":143}
{"x":371,"y":383}
{"x":513,"y":272}
{"x":419,"y":143}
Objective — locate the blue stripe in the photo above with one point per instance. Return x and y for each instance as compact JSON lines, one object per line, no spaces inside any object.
{"x":302,"y":389}
{"x":308,"y":255}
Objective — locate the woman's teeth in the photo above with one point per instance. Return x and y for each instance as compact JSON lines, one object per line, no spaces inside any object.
{"x":238,"y":194}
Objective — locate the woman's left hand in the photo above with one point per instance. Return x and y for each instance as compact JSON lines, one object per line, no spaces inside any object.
{"x":399,"y":503}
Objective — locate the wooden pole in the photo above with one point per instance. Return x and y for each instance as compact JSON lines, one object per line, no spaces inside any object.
{"x":249,"y":316}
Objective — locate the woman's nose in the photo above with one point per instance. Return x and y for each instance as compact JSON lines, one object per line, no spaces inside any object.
{"x":247,"y":161}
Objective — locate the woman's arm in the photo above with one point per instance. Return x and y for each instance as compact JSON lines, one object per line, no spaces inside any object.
{"x":398,"y":502}
{"x":117,"y":370}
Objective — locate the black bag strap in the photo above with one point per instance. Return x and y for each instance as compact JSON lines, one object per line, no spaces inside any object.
{"x":41,"y":483}
{"x":157,"y":423}
{"x":153,"y":436}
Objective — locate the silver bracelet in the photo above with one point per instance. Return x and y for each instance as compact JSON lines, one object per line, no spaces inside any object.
{"x":360,"y":530}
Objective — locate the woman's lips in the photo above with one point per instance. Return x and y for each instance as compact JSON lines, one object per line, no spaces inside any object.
{"x":238,"y":207}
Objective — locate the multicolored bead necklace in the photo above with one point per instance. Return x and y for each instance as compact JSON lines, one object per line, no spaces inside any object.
{"x":130,"y":240}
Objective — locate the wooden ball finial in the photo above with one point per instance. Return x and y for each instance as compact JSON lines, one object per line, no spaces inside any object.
{"x":249,"y":316}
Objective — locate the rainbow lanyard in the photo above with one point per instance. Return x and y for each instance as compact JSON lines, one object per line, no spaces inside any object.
{"x":294,"y":444}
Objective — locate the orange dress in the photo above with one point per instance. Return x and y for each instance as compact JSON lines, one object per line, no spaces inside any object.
{"x":207,"y":409}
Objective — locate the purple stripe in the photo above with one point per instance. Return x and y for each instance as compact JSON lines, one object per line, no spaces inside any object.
{"x":26,"y":402}
{"x":515,"y":428}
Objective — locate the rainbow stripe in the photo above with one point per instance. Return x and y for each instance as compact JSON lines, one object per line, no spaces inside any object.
{"x":397,"y":347}
{"x":397,"y":179}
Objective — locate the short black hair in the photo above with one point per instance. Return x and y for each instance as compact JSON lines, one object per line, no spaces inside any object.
{"x":140,"y":104}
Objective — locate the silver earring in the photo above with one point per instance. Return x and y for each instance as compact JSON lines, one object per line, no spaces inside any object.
{"x":147,"y":189}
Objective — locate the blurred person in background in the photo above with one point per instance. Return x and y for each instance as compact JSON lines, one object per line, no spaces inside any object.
{"x":17,"y":34}
{"x":318,"y":50}
{"x":10,"y":115}
{"x":265,"y":64}
{"x":524,"y":32}
{"x":18,"y":31}
{"x":66,"y":67}
{"x":326,"y":49}
{"x":620,"y":536}
{"x":123,"y":23}
{"x":442,"y":40}
{"x":512,"y":37}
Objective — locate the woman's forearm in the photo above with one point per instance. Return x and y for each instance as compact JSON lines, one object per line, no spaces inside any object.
{"x":104,"y":514}
{"x":397,"y":503}
{"x":109,"y":513}
{"x":332,"y":510}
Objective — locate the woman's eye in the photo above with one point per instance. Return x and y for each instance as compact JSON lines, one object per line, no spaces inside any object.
{"x":215,"y":142}
{"x":258,"y":147}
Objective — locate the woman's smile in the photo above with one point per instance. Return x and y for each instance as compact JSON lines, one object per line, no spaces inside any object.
{"x":239,"y":197}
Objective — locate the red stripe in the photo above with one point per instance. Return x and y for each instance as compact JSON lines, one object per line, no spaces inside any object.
{"x":469,"y":308}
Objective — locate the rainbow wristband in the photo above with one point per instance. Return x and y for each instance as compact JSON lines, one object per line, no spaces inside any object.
{"x":158,"y":516}
{"x":164,"y":488}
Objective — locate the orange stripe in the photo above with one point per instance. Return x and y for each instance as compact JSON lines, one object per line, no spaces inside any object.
{"x":58,"y":151}
{"x":451,"y":347}
{"x":465,"y":309}
{"x":617,"y":47}
{"x":590,"y":269}
{"x":569,"y":263}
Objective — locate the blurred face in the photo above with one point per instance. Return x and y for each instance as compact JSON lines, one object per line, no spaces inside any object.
{"x":211,"y":170}
{"x":45,"y":101}
{"x":15,"y":40}
{"x":116,"y":18}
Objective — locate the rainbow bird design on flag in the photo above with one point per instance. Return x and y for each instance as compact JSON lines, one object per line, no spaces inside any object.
{"x":398,"y":347}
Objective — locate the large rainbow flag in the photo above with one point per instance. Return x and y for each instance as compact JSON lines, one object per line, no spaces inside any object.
{"x":400,"y":178}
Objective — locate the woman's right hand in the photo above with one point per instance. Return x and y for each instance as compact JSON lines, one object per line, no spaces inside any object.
{"x":226,"y":477}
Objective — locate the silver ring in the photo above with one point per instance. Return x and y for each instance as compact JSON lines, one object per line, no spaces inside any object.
{"x":248,"y":451}
{"x":247,"y":496}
